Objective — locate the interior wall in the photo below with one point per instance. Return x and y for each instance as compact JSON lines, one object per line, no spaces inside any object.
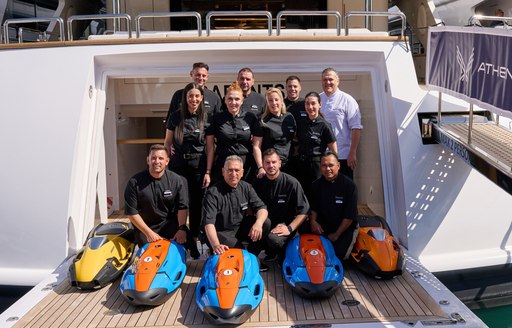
{"x":141,"y":105}
{"x":368,"y":174}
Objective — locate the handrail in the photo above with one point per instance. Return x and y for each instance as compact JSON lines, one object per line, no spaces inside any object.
{"x":375,"y":13}
{"x":473,"y":18}
{"x":239,"y":13}
{"x":33,"y":20}
{"x":308,"y":13}
{"x":98,"y":16}
{"x":168,"y":14}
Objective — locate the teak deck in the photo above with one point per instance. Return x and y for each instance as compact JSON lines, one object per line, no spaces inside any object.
{"x":400,"y":299}
{"x":488,"y":138}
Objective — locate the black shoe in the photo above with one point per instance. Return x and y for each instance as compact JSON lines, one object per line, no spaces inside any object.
{"x":263,"y":267}
{"x":270,"y":257}
{"x":194,"y":252}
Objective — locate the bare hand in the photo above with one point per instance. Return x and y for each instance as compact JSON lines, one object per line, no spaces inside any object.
{"x":333,"y":237}
{"x":256,"y":232}
{"x":219,"y":249}
{"x":180,"y":237}
{"x":206,"y":181}
{"x":260,"y":173}
{"x":352,"y":161}
{"x":316,"y":228}
{"x":281,"y":230}
{"x":153,"y":236}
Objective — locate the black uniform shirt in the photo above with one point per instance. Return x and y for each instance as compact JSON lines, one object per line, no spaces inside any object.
{"x":296,"y":108}
{"x":211,"y":101}
{"x":314,"y":136}
{"x":283,"y":196}
{"x":193,"y":137}
{"x":278,"y":133}
{"x":334,"y":201}
{"x":253,"y":103}
{"x":225,"y":207}
{"x":233,"y":133}
{"x":156,"y":200}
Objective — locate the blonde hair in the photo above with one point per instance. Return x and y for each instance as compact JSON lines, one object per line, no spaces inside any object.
{"x":266,"y":111}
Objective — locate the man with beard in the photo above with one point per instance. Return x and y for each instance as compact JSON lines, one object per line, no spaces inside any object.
{"x":286,"y":202}
{"x":156,"y":201}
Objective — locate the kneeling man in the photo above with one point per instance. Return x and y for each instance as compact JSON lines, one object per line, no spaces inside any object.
{"x":334,"y":206}
{"x":233,"y":214}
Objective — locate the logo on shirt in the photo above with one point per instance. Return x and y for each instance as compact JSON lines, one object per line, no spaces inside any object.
{"x":167,"y":193}
{"x":338,"y":200}
{"x":313,"y":252}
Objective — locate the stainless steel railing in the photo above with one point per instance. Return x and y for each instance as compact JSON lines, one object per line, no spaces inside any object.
{"x":33,"y":20}
{"x":168,"y":14}
{"x":474,"y":18}
{"x":308,"y":13}
{"x":209,"y":17}
{"x":374,"y":13}
{"x":73,"y":18}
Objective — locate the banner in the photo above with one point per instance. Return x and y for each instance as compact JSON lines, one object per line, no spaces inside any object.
{"x":472,"y":63}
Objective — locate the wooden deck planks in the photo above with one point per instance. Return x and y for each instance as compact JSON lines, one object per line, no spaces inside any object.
{"x":490,"y":138}
{"x":379,"y":300}
{"x":398,"y":299}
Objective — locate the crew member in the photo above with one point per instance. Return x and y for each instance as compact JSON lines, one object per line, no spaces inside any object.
{"x":185,"y":141}
{"x":233,"y":214}
{"x":231,"y":133}
{"x":334,"y":207}
{"x":211,"y":100}
{"x":314,"y":136}
{"x":286,"y":202}
{"x":253,"y":101}
{"x":156,"y":201}
{"x":277,"y":128}
{"x":342,"y":111}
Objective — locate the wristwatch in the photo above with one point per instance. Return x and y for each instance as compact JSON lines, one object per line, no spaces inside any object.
{"x":290,"y":229}
{"x":183,"y":227}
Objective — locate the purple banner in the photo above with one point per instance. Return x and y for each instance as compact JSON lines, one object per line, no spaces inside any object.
{"x":472,"y":63}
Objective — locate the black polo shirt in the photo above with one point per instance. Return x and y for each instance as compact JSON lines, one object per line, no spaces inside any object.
{"x":211,"y":101}
{"x":278,"y":133}
{"x":156,"y":200}
{"x":254,"y":102}
{"x":225,"y":207}
{"x":284,"y":197}
{"x":314,"y":136}
{"x":193,"y":137}
{"x":234,"y":133}
{"x":334,"y":201}
{"x":296,"y":108}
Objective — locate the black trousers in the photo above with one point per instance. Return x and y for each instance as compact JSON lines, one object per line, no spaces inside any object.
{"x":344,"y":244}
{"x":345,"y":169}
{"x":238,"y":237}
{"x":277,"y":244}
{"x":166,"y":230}
{"x":193,"y":171}
{"x":309,"y":168}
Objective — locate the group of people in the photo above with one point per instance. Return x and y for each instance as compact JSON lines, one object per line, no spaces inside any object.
{"x":251,"y":170}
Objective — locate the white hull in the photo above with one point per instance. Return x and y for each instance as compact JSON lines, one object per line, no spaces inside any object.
{"x":66,"y":112}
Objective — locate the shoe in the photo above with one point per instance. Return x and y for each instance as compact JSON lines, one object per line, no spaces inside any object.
{"x":194,"y":252}
{"x":263,"y":267}
{"x":270,"y":257}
